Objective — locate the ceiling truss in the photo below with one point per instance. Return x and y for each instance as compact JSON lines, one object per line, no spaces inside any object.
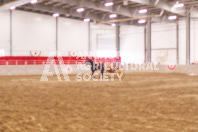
{"x":98,"y":13}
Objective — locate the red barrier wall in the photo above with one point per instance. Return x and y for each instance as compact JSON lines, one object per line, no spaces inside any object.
{"x":41,"y":60}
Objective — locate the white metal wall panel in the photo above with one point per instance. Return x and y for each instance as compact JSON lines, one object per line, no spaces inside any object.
{"x":194,"y":40}
{"x":106,"y":42}
{"x":132,"y":44}
{"x":32,"y":31}
{"x":106,"y":45}
{"x":182,"y":42}
{"x":164,"y":38}
{"x":72,"y":35}
{"x":163,"y":35}
{"x":5,"y":32}
{"x":97,"y":30}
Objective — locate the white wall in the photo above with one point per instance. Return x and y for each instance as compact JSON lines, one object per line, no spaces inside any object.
{"x":72,"y":35}
{"x":132,"y":44}
{"x":100,"y":30}
{"x":5,"y":32}
{"x":106,"y":42}
{"x":164,"y":43}
{"x":194,"y":40}
{"x":33,"y":31}
{"x":106,"y":45}
{"x":182,"y":42}
{"x":163,"y":35}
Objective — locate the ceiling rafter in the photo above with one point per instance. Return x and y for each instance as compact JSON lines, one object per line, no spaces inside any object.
{"x":163,"y":5}
{"x":119,"y":9}
{"x":54,"y":9}
{"x":7,"y":4}
{"x":97,"y":11}
{"x":168,"y":6}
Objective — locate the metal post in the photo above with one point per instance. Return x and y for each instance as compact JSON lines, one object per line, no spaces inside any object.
{"x":144,"y":44}
{"x":56,"y":36}
{"x":177,"y":43}
{"x":148,"y":41}
{"x":89,"y":37}
{"x":188,"y":39}
{"x":10,"y":32}
{"x":118,"y":39}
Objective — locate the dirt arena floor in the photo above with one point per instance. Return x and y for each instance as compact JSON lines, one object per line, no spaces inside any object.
{"x":141,"y":102}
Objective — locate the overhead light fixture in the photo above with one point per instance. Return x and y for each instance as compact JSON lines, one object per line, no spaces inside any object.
{"x":33,"y":1}
{"x":141,"y":21}
{"x":80,"y":10}
{"x":86,"y":20}
{"x":12,"y":7}
{"x":143,"y":11}
{"x":172,"y":17}
{"x":112,"y":15}
{"x":109,"y":4}
{"x":113,"y":24}
{"x":178,"y":5}
{"x":56,"y":15}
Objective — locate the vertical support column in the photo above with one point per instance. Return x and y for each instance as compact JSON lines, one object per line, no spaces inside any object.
{"x":188,"y":39}
{"x":148,"y":41}
{"x":10,"y":32}
{"x":144,"y":44}
{"x":177,"y":43}
{"x":118,"y":39}
{"x":56,"y":36}
{"x":89,"y":37}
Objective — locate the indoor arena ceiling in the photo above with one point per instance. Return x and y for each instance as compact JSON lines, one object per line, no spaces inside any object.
{"x":127,"y":10}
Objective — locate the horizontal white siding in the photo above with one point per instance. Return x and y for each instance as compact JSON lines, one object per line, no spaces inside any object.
{"x":33,"y":31}
{"x":132,"y":44}
{"x":72,"y":35}
{"x":5,"y":32}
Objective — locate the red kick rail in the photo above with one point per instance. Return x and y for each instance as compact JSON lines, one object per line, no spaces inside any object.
{"x":42,"y":60}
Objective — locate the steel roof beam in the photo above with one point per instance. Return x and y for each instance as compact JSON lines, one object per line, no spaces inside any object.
{"x":118,"y":9}
{"x":162,"y":4}
{"x":62,"y":11}
{"x":16,"y":3}
{"x":87,"y":14}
